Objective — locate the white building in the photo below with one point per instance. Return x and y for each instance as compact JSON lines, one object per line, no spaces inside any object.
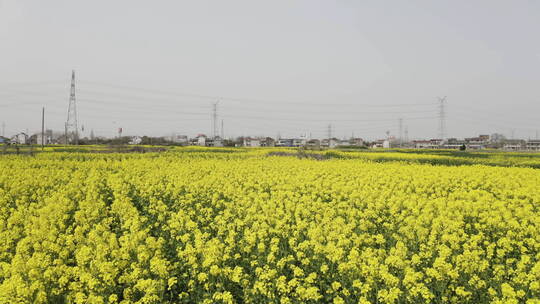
{"x":378,"y":143}
{"x":513,"y":145}
{"x":299,"y":142}
{"x":21,"y":139}
{"x":284,"y":142}
{"x":428,"y":144}
{"x":268,"y":142}
{"x":135,"y":140}
{"x":477,"y":143}
{"x":252,"y":142}
{"x":356,"y":142}
{"x":180,"y":139}
{"x":330,"y":143}
{"x":216,"y":142}
{"x":313,"y":143}
{"x":201,"y":140}
{"x":42,"y":139}
{"x":533,"y":145}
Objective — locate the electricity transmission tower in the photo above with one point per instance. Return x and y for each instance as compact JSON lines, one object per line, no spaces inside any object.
{"x":72,"y":130}
{"x":222,"y":130}
{"x":442,"y":119}
{"x":215,"y":131}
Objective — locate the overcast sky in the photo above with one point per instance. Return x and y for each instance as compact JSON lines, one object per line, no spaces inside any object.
{"x":276,"y":67}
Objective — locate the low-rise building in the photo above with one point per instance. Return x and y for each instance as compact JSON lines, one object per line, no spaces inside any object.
{"x":381,"y":143}
{"x":200,"y":140}
{"x":422,"y":144}
{"x":454,"y":143}
{"x":533,"y":145}
{"x":180,"y":139}
{"x":479,"y":142}
{"x":284,"y":142}
{"x":135,"y":140}
{"x":343,"y":143}
{"x":313,"y":143}
{"x":255,"y":142}
{"x":330,"y":143}
{"x":21,"y":139}
{"x":356,"y":141}
{"x":428,"y":144}
{"x":513,"y":145}
{"x":215,"y":142}
{"x":268,"y":142}
{"x":252,"y":142}
{"x":299,"y":142}
{"x":352,"y":142}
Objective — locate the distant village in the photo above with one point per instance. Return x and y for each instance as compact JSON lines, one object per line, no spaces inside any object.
{"x":494,"y":141}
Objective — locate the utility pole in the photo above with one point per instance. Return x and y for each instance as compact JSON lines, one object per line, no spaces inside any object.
{"x":71,"y":123}
{"x":400,"y":132}
{"x":442,"y":117}
{"x":329,"y":134}
{"x":222,"y":131}
{"x":406,"y":134}
{"x":43,"y":129}
{"x":214,"y":120}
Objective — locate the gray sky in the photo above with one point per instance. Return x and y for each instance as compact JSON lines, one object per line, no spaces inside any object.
{"x":293,"y":67}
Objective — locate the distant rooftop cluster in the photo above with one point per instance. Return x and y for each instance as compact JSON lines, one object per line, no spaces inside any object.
{"x":494,"y":141}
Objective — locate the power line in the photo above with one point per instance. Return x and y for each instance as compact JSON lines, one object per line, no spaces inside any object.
{"x":89,"y":103}
{"x":229,"y":98}
{"x":236,"y":109}
{"x":300,"y":122}
{"x":253,"y":100}
{"x":20,"y":104}
{"x":497,"y":117}
{"x":129,"y":99}
{"x":32,"y":83}
{"x":318,"y":120}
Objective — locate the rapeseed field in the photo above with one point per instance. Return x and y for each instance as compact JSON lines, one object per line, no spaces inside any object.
{"x":238,"y":226}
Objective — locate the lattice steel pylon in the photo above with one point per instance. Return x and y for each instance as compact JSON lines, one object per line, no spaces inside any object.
{"x":442,"y":119}
{"x":72,"y":129}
